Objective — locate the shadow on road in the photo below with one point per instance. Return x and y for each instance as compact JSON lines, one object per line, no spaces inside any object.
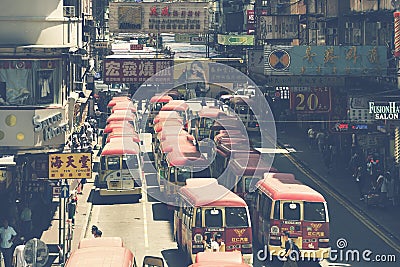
{"x":151,"y":179}
{"x":161,"y":212}
{"x":154,"y":194}
{"x":96,"y":199}
{"x":174,"y":257}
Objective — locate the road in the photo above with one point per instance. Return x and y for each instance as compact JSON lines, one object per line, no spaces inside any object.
{"x":146,"y":227}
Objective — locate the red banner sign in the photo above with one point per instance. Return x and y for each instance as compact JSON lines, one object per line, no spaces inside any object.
{"x":310,"y":99}
{"x":136,"y":47}
{"x":251,"y":21}
{"x":138,"y":70}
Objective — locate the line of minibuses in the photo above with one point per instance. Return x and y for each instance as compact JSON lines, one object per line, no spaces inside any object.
{"x":276,"y":201}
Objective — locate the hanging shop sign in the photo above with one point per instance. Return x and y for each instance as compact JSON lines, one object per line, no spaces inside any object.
{"x":310,"y":99}
{"x":325,"y":60}
{"x":70,"y":166}
{"x":251,"y":22}
{"x":137,"y":70}
{"x":153,"y":17}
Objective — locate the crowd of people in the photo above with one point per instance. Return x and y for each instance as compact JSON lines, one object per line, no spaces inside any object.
{"x":83,"y":139}
{"x":375,"y":184}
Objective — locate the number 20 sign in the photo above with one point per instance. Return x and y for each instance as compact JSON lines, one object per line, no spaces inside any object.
{"x":310,"y":99}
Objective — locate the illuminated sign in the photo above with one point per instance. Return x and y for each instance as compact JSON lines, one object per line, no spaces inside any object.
{"x":389,"y":111}
{"x":70,"y":166}
{"x":137,"y":70}
{"x":153,"y":17}
{"x":251,"y":22}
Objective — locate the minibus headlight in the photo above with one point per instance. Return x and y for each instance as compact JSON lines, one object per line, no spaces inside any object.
{"x":247,"y":246}
{"x":198,"y":238}
{"x":323,"y":240}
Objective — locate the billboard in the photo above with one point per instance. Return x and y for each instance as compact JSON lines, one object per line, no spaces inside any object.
{"x":278,"y":27}
{"x":154,"y":17}
{"x":325,"y":60}
{"x":117,"y":70}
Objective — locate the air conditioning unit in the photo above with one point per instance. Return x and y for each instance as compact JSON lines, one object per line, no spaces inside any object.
{"x":69,"y":11}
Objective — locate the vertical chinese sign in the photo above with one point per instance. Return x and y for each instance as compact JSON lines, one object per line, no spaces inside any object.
{"x":70,"y":166}
{"x":251,"y":22}
{"x":396,"y":34}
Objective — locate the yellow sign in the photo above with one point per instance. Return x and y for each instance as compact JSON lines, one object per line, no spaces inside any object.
{"x":235,"y":39}
{"x":70,"y":166}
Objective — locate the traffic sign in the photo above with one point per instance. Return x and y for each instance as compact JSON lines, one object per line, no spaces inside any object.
{"x":56,"y":191}
{"x":36,"y":252}
{"x":64,"y":191}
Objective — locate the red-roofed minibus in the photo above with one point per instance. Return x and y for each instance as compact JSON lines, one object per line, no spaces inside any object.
{"x":179,"y":106}
{"x":155,"y":105}
{"x":183,"y":162}
{"x":123,"y":115}
{"x":219,"y":259}
{"x":205,"y":120}
{"x":246,"y":172}
{"x":207,"y":209}
{"x":118,"y":100}
{"x":101,"y":252}
{"x":121,"y":168}
{"x":282,"y":204}
{"x":124,"y":126}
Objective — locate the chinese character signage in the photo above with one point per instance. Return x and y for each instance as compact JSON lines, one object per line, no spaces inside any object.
{"x":137,"y":70}
{"x":310,"y":99}
{"x":70,"y":166}
{"x":326,"y":60}
{"x":153,"y":17}
{"x":278,"y":27}
{"x":221,"y":73}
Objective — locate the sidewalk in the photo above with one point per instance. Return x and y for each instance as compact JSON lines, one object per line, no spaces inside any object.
{"x":388,"y":218}
{"x":83,"y":210}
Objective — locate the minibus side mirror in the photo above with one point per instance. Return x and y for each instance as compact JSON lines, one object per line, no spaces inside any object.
{"x":151,"y":261}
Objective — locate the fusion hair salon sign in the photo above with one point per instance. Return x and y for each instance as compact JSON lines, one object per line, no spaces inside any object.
{"x":389,"y":111}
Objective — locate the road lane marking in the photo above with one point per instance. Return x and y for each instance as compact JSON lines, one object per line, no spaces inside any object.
{"x":144,"y":202}
{"x":381,"y":234}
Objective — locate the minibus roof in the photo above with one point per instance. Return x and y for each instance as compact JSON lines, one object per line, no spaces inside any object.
{"x":120,"y":146}
{"x":253,"y":165}
{"x":225,"y":257}
{"x":283,"y":186}
{"x":118,"y":124}
{"x":210,"y":112}
{"x":160,"y":99}
{"x":101,"y":257}
{"x":118,"y":99}
{"x":177,"y":105}
{"x":211,"y":195}
{"x":101,"y":242}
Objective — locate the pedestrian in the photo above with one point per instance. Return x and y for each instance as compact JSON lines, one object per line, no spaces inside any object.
{"x":71,"y":208}
{"x":94,"y":230}
{"x":18,"y":255}
{"x":291,"y":251}
{"x":320,"y":138}
{"x":327,"y":156}
{"x":26,"y":220}
{"x":81,"y":184}
{"x":360,"y":181}
{"x":98,"y":233}
{"x":7,"y":236}
{"x":311,"y":137}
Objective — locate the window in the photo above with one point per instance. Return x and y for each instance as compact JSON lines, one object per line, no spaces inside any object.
{"x":314,"y":211}
{"x":291,"y":211}
{"x":184,"y":174}
{"x":198,"y":218}
{"x":277,"y":210}
{"x":130,"y":162}
{"x":213,"y":218}
{"x":45,"y":86}
{"x":103,"y":163}
{"x":236,"y":217}
{"x":113,"y":163}
{"x":204,"y":173}
{"x":266,"y":205}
